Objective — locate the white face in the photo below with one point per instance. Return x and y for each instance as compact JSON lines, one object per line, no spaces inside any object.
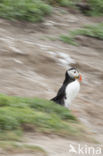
{"x":73,"y":73}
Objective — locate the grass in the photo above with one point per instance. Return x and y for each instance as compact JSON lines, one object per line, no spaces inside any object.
{"x":64,"y":3}
{"x":96,"y":7}
{"x":19,"y":115}
{"x":68,"y":39}
{"x":29,"y":10}
{"x":40,"y":115}
{"x":36,"y":10}
{"x":8,"y":135}
{"x":93,"y":31}
{"x":17,"y":148}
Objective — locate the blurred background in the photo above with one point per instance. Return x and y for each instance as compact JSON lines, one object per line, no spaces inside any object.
{"x":39,"y":40}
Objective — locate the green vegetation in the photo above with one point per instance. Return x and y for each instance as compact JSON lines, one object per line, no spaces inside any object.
{"x":36,"y":10}
{"x":64,"y":3}
{"x":94,"y":31}
{"x":96,"y":7}
{"x":68,"y":39}
{"x":29,"y":10}
{"x":19,"y":114}
{"x":14,"y":135}
{"x":15,"y":147}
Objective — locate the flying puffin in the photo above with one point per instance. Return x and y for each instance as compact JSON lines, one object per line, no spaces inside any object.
{"x":69,"y":89}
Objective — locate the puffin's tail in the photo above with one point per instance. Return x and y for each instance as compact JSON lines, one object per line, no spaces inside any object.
{"x":53,"y":99}
{"x":56,"y":100}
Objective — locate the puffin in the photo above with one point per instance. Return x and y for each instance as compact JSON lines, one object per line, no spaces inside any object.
{"x":69,"y":89}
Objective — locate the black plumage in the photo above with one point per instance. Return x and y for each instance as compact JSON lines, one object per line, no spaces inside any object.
{"x":61,"y":96}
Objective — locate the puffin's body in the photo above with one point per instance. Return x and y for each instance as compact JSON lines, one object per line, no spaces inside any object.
{"x":69,"y":89}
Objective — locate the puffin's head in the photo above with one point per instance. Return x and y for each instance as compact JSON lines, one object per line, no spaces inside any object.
{"x":73,"y":73}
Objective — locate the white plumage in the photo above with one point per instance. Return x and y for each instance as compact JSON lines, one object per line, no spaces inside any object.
{"x":71,"y":91}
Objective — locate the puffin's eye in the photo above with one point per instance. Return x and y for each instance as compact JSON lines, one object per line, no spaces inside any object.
{"x":74,"y":71}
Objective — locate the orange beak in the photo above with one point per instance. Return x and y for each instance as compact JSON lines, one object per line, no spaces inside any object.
{"x":80,"y":77}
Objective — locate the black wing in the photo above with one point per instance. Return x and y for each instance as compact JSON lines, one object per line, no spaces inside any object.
{"x":61,"y":93}
{"x":60,"y":96}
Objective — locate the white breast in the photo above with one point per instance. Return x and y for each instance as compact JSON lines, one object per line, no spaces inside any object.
{"x":71,"y":92}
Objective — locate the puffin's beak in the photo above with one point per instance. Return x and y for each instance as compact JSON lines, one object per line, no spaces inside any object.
{"x":80,"y":77}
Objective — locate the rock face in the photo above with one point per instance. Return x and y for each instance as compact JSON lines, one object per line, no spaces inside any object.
{"x":33,"y":62}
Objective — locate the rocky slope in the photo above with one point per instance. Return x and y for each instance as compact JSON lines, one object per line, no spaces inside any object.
{"x":33,"y":62}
